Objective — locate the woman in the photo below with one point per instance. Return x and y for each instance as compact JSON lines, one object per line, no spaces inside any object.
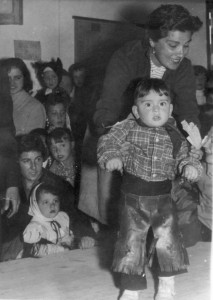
{"x":162,"y":55}
{"x":9,"y":196}
{"x":28,"y":113}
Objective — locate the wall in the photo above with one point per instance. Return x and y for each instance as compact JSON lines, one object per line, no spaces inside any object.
{"x":51,"y":23}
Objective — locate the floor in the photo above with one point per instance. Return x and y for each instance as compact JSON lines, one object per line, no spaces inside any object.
{"x":84,"y":275}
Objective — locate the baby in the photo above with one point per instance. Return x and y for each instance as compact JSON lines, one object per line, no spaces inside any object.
{"x":49,"y":229}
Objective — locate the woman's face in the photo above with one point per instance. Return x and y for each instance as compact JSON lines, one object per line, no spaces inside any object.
{"x":56,"y":115}
{"x":16,"y":80}
{"x":170,"y":51}
{"x":31,"y":165}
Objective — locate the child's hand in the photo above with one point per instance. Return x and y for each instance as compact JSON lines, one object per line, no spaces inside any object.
{"x":67,"y":240}
{"x":114,"y":164}
{"x":190,"y":172}
{"x":86,"y":242}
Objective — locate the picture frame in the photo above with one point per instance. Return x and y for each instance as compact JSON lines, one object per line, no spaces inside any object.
{"x":11,"y":12}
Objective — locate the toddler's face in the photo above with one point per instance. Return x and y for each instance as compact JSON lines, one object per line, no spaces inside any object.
{"x":48,"y":204}
{"x":153,"y":109}
{"x":56,"y":115}
{"x":61,"y":151}
{"x":50,"y":79}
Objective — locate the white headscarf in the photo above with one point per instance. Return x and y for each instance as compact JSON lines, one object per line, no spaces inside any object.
{"x":34,"y":210}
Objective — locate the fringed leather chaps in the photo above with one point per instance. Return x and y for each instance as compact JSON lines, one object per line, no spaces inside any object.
{"x":138,"y":213}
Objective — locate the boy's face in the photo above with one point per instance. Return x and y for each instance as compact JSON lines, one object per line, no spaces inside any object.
{"x":200,"y":81}
{"x":66,"y":84}
{"x":61,"y":151}
{"x":48,"y":204}
{"x":79,"y":77}
{"x":50,"y":79}
{"x":56,"y":115}
{"x":153,"y":109}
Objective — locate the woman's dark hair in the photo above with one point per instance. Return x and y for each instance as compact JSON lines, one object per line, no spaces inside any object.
{"x":58,"y":96}
{"x":171,"y":17}
{"x":198,"y":69}
{"x":14,"y":62}
{"x":6,"y":104}
{"x":47,"y":188}
{"x":147,"y":84}
{"x":55,"y":65}
{"x":30,"y":142}
{"x":40,"y":131}
{"x":59,"y":134}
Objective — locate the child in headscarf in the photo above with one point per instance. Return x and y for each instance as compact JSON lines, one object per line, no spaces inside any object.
{"x":49,"y":229}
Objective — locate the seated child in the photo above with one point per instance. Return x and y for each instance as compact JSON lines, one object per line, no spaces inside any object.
{"x":157,"y":152}
{"x":61,"y":146}
{"x":56,"y":110}
{"x":49,"y":229}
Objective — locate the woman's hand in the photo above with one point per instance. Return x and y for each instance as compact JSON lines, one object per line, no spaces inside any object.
{"x":12,"y":197}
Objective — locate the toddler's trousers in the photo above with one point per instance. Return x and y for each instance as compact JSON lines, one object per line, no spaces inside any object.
{"x":164,"y":251}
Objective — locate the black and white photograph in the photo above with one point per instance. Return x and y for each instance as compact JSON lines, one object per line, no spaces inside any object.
{"x":106,"y":149}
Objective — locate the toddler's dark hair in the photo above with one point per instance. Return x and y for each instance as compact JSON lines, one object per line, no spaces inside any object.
{"x":146,"y":84}
{"x":59,"y":135}
{"x":47,"y":188}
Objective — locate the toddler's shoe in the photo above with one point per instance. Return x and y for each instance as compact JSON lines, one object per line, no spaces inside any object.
{"x":166,"y":290}
{"x":130,"y":295}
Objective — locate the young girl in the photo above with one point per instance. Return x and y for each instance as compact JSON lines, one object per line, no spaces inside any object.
{"x":56,"y":109}
{"x":49,"y":229}
{"x":49,"y":75}
{"x":61,"y":145}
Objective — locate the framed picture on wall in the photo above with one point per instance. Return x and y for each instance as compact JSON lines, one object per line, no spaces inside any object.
{"x":11,"y":12}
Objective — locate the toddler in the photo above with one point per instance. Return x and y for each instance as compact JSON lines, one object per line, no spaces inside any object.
{"x":157,"y":152}
{"x":61,"y":145}
{"x":49,"y":229}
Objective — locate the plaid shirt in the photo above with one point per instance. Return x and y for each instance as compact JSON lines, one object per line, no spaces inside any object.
{"x":150,"y":153}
